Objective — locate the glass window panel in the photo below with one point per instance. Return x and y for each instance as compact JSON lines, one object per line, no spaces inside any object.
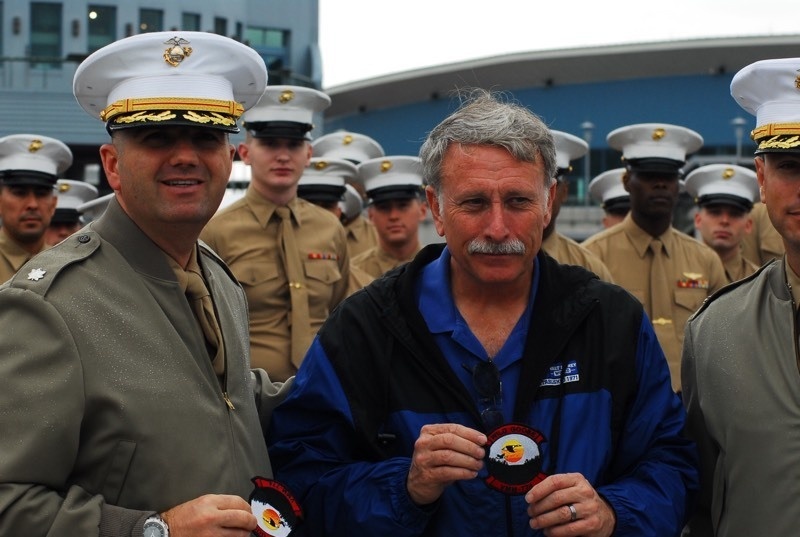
{"x":102,"y":26}
{"x":220,"y":26}
{"x":45,"y":33}
{"x":266,"y":37}
{"x":190,"y":22}
{"x":151,"y":20}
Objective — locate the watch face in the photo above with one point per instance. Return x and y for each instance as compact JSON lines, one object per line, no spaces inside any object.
{"x":153,"y":529}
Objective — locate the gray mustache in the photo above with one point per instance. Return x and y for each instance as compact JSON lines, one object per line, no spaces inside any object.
{"x":509,"y":247}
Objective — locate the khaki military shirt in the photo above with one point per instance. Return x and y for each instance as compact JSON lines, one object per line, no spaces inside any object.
{"x":361,"y":236}
{"x":738,"y":268}
{"x":12,"y":257}
{"x":694,"y":271}
{"x":358,"y":279}
{"x":246,"y":235}
{"x":763,"y":242}
{"x":376,"y":261}
{"x":568,"y":252}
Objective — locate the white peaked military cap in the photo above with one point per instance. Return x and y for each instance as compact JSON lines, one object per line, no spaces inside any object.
{"x":608,"y":190}
{"x":285,"y":112}
{"x":391,"y":177}
{"x":198,"y":79}
{"x":71,"y":195}
{"x":91,"y":210}
{"x":348,"y":146}
{"x":654,"y":147}
{"x":352,"y":203}
{"x":770,"y":90}
{"x":568,"y":148}
{"x":324,"y":179}
{"x":723,"y":184}
{"x":31,"y":159}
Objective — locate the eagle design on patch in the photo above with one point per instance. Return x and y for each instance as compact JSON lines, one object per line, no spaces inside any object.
{"x":514,"y":459}
{"x":276,"y":510}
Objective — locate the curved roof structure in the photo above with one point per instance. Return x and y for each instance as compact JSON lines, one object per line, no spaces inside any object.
{"x":544,"y":69}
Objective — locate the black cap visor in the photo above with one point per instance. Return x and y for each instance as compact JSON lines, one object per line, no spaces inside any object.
{"x":394,"y":193}
{"x":618,"y":205}
{"x":320,"y":193}
{"x":725,"y":199}
{"x":66,"y":216}
{"x":654,"y":165}
{"x":27,"y":178}
{"x":279,"y":129}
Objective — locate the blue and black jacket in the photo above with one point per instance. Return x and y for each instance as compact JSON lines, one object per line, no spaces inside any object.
{"x":343,"y":438}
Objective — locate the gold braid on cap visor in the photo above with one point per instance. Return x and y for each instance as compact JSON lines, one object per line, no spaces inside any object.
{"x":777,"y":136}
{"x":200,"y":111}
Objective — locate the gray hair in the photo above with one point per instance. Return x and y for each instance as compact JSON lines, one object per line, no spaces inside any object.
{"x":483,"y":118}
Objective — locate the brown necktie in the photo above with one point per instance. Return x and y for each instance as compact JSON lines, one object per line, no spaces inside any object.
{"x":299,"y":323}
{"x":660,"y":295}
{"x":200,"y":299}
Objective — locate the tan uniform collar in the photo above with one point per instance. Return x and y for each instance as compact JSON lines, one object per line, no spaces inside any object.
{"x":12,"y":251}
{"x":386,"y":257}
{"x":641,"y":239}
{"x":263,"y":209}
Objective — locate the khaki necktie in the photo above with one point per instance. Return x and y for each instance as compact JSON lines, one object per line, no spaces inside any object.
{"x":660,"y":295}
{"x":299,"y":324}
{"x":200,"y":299}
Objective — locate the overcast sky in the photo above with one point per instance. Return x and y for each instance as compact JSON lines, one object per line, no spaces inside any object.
{"x":362,"y":39}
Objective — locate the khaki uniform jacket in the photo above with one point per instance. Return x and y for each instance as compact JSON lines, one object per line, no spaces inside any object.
{"x":738,"y":268}
{"x":111,"y":409}
{"x":376,"y":261}
{"x":694,"y":272}
{"x":12,"y":257}
{"x":763,"y":243}
{"x":568,"y":252}
{"x":247,"y":237}
{"x":361,"y":236}
{"x":740,"y":387}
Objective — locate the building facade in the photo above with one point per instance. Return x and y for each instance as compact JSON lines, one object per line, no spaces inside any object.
{"x":42,"y":43}
{"x":587,"y":92}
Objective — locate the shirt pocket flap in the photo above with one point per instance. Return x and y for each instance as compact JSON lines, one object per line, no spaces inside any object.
{"x":322,"y":270}
{"x":255,"y":272}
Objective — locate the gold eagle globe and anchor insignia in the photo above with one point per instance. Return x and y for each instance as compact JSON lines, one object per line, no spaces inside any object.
{"x":659,"y":134}
{"x":286,"y":96}
{"x":35,"y":146}
{"x":178,"y":52}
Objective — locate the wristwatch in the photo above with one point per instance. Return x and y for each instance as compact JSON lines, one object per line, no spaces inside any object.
{"x":155,"y":526}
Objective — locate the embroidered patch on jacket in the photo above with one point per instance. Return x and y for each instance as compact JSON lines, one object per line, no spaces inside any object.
{"x":276,"y":510}
{"x":514,"y":459}
{"x":554,"y":374}
{"x":692,"y":280}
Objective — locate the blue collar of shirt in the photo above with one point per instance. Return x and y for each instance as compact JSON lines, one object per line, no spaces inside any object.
{"x":436,"y":304}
